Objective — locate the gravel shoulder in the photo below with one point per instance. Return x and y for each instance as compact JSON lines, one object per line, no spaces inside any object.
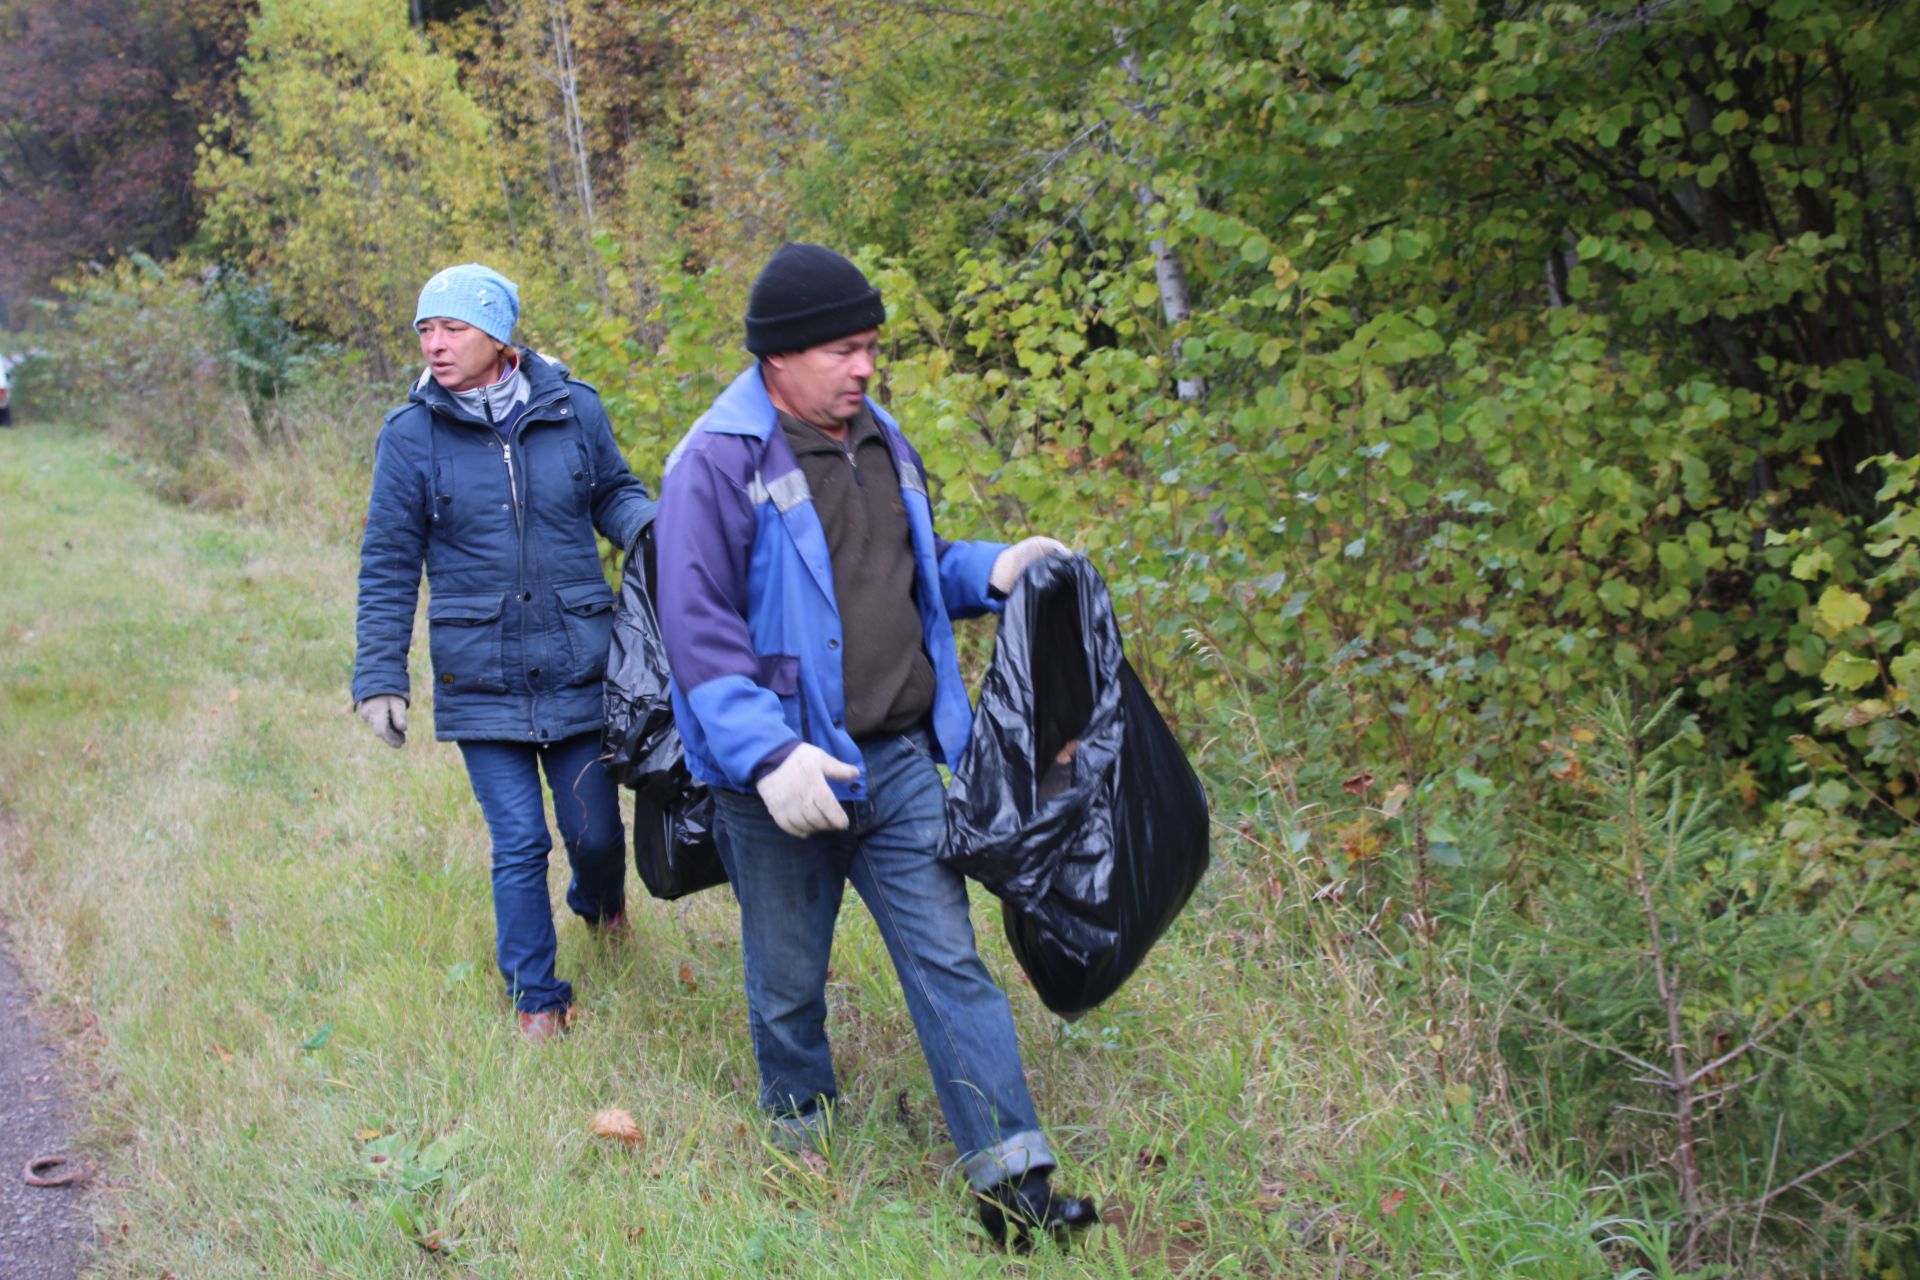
{"x":45,"y":1232}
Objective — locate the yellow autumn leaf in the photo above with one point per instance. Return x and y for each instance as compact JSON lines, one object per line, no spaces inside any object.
{"x":1839,"y":609}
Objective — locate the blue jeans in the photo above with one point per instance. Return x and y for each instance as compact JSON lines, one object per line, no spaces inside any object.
{"x":789,"y":892}
{"x":506,"y":782}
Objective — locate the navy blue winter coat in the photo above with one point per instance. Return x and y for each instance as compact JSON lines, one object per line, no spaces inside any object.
{"x":519,"y":614}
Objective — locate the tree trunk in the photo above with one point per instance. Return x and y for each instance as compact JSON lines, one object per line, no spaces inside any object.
{"x":1168,"y":273}
{"x":566,"y":77}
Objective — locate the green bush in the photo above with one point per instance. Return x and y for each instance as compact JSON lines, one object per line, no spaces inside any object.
{"x":1863,"y":634}
{"x":195,"y":371}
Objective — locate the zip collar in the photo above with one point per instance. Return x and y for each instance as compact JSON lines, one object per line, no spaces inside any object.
{"x":498,"y":401}
{"x":546,"y":380}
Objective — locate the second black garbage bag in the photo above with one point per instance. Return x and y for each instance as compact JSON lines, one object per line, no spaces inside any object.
{"x":1073,"y":802}
{"x":673,"y":845}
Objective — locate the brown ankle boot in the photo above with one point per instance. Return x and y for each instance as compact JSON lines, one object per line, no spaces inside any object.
{"x":548,"y":1024}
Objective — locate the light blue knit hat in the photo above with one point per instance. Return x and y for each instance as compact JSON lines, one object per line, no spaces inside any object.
{"x":475,"y":295}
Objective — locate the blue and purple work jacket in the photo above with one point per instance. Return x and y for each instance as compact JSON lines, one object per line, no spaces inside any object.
{"x":746,"y":597}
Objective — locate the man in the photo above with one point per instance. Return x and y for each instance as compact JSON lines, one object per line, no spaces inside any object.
{"x":806,"y":606}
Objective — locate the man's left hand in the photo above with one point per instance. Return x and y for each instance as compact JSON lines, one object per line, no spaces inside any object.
{"x":1011,"y":563}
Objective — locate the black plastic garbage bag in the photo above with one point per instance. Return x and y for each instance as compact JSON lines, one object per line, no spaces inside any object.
{"x":1073,"y":802}
{"x":673,"y":848}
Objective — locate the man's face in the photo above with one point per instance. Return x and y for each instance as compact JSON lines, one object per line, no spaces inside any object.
{"x":459,"y":356}
{"x":825,"y":385}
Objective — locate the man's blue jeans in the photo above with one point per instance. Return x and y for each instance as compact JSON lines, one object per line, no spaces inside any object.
{"x":506,"y":782}
{"x":789,"y":892}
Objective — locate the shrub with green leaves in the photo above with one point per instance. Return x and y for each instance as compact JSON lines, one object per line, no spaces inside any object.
{"x":1863,"y":631}
{"x":1519,"y":332}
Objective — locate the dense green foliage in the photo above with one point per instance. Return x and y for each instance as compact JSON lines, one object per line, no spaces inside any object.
{"x":1515,"y":351}
{"x":1422,"y":378}
{"x":361,"y":159}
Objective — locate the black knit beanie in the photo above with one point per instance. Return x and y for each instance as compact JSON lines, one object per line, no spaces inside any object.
{"x":807,"y":295}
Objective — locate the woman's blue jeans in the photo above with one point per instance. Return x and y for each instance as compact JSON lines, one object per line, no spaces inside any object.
{"x":506,"y":782}
{"x":789,"y":891}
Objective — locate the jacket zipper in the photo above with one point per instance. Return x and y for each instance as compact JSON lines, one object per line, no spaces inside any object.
{"x":513,"y":485}
{"x":506,"y":455}
{"x":513,"y":494}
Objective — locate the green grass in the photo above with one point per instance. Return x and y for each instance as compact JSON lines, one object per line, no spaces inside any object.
{"x":274,"y":940}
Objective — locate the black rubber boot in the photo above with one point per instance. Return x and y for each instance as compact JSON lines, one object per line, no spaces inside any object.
{"x":1029,"y":1206}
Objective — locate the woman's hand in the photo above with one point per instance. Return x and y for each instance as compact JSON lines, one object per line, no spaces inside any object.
{"x":386,"y":715}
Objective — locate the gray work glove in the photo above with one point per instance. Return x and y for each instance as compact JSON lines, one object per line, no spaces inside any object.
{"x":1011,"y":563}
{"x":797,"y":794}
{"x":386,"y":715}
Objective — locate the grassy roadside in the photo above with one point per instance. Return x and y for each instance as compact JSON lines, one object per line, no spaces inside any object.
{"x":307,"y":1067}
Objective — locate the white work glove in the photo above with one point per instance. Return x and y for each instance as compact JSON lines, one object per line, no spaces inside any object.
{"x":1011,"y":563}
{"x":386,"y":715}
{"x":797,"y":794}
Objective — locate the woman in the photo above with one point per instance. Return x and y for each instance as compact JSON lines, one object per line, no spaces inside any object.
{"x":495,"y":474}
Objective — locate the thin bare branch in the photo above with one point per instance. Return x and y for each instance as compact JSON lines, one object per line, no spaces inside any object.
{"x":1598,"y":1047}
{"x":1858,"y":1149}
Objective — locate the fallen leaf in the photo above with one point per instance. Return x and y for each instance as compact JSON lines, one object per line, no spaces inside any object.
{"x":1396,"y":796}
{"x":1359,"y":841}
{"x":619,"y":1125}
{"x":686,"y":978}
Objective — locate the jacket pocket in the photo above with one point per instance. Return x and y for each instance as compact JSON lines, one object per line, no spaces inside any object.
{"x":586,"y":613}
{"x":463,"y":634}
{"x":780,"y":673}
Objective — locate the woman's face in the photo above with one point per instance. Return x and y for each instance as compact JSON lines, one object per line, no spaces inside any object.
{"x":459,"y":356}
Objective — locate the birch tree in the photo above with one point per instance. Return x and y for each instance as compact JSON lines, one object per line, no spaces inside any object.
{"x":1168,"y":273}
